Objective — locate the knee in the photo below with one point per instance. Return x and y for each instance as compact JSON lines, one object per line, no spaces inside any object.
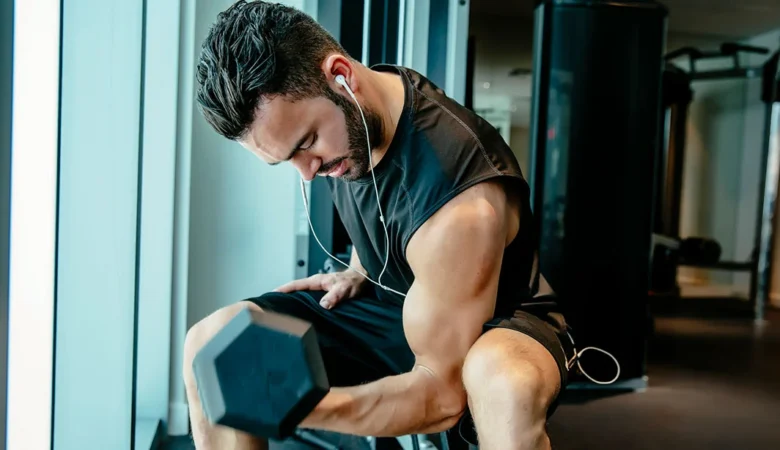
{"x":492,"y":376}
{"x":200,"y":334}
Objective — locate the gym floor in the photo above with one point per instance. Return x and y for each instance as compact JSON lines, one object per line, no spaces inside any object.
{"x":714,"y":384}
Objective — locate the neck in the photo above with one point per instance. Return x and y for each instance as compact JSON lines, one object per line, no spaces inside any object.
{"x":386,"y":96}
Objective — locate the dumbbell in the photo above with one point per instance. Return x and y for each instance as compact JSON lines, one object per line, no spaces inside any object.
{"x":262,"y":374}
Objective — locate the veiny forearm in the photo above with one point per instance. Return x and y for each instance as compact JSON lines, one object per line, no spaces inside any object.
{"x":354,"y":261}
{"x":361,"y":274}
{"x":415,"y":402}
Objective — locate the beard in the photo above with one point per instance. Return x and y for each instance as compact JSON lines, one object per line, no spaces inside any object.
{"x":358,"y":147}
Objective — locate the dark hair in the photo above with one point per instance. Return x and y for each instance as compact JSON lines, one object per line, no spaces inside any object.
{"x":254,"y":51}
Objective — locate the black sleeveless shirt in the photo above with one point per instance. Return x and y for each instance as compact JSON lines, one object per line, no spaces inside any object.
{"x":439,"y":149}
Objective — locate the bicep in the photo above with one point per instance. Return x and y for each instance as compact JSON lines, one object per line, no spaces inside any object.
{"x":440,"y":333}
{"x":456,"y":268}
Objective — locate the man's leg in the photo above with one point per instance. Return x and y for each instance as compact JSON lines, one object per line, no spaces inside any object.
{"x":511,"y":380}
{"x":206,"y":435}
{"x":360,"y":340}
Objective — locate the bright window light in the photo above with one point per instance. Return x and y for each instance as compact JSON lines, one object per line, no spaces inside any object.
{"x":33,"y":222}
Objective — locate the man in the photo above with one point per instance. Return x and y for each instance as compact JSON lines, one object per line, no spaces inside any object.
{"x":458,"y":337}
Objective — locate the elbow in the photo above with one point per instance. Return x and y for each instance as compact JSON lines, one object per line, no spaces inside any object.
{"x":456,"y":403}
{"x":451,"y":404}
{"x":447,"y":423}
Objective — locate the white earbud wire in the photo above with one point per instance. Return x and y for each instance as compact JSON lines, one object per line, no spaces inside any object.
{"x":578,"y":355}
{"x":373,"y":176}
{"x":342,"y":81}
{"x":306,"y":206}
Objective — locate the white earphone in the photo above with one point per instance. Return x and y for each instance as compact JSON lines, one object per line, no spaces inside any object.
{"x":343,"y":82}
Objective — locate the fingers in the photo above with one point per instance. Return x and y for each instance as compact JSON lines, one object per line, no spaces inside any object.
{"x":336,"y":293}
{"x":313,"y":283}
{"x":337,"y":288}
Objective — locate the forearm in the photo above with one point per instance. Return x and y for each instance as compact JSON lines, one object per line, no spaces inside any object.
{"x":415,"y":402}
{"x":354,"y":261}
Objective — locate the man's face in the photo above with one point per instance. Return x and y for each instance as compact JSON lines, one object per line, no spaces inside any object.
{"x":320,"y":136}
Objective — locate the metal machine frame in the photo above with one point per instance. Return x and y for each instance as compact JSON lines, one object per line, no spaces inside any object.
{"x":677,"y":98}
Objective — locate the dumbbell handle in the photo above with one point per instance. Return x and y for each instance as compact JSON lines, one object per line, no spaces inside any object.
{"x":307,"y":437}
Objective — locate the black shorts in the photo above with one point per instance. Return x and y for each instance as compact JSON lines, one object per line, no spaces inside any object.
{"x":362,"y":339}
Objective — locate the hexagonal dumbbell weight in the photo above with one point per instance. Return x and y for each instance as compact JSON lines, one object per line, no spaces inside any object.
{"x":262,"y":374}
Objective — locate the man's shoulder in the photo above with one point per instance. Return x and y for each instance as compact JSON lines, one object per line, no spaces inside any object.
{"x":447,"y":126}
{"x":481,"y":213}
{"x":489,"y":206}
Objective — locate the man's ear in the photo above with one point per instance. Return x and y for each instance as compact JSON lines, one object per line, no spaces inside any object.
{"x":338,"y":64}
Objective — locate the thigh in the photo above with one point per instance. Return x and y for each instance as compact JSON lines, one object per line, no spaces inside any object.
{"x":546,"y":330}
{"x":361,"y":339}
{"x":525,"y":338}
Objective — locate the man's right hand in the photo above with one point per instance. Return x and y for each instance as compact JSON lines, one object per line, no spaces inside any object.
{"x":339,"y":286}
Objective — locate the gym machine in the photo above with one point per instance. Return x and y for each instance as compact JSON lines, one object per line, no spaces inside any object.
{"x":669,"y":251}
{"x":595,"y":115}
{"x":768,"y":206}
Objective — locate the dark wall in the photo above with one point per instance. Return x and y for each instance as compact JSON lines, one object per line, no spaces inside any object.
{"x":6,"y":76}
{"x":350,"y":32}
{"x":383,"y":32}
{"x":437,"y":42}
